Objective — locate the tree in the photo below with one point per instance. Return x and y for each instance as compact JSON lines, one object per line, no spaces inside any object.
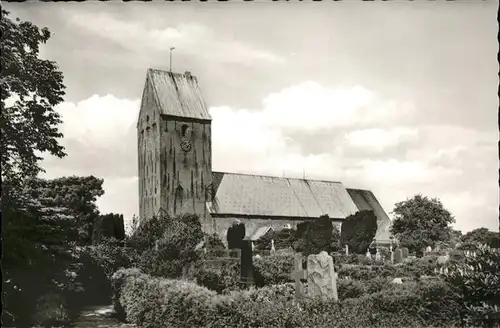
{"x":420,"y":222}
{"x":43,"y":220}
{"x":319,"y":236}
{"x":481,"y":236}
{"x":31,"y":88}
{"x":235,"y":235}
{"x":167,"y":246}
{"x":358,"y":231}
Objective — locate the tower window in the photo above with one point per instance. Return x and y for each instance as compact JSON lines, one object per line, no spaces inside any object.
{"x":184,"y":130}
{"x":147,"y":118}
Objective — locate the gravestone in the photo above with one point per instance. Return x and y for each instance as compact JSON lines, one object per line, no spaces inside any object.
{"x":398,"y":256}
{"x":368,"y":254}
{"x":246,"y":277}
{"x":321,"y":280}
{"x":377,"y":255}
{"x":299,"y":275}
{"x":346,"y":249}
{"x":405,"y":252}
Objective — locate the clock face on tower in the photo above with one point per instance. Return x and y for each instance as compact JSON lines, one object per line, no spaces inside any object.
{"x":186,"y":145}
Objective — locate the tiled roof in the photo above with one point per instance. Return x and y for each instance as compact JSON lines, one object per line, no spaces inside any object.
{"x":254,"y":195}
{"x":239,"y":195}
{"x":178,"y":94}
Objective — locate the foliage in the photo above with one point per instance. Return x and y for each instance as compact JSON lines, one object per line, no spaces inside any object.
{"x":109,"y":226}
{"x":235,"y":235}
{"x":63,"y":209}
{"x":150,"y":302}
{"x":35,"y":86}
{"x":358,"y":231}
{"x":110,"y":255}
{"x":421,"y":222}
{"x":219,"y":276}
{"x":214,"y":246}
{"x":480,"y":236}
{"x":477,"y":282}
{"x":274,"y":269}
{"x":167,"y":246}
{"x":283,"y":238}
{"x":319,"y":236}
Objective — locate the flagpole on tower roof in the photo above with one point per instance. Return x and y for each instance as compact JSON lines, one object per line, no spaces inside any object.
{"x":171,"y":48}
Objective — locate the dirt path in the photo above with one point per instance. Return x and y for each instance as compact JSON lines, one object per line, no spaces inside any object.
{"x":99,"y":316}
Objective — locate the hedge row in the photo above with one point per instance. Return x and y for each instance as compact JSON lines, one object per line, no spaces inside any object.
{"x":152,"y":302}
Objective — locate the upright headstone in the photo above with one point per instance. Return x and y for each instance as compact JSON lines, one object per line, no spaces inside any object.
{"x":377,"y":255}
{"x":368,"y":254}
{"x":273,"y":249}
{"x":346,"y":249}
{"x":392,"y":257}
{"x":398,"y":256}
{"x":246,"y":277}
{"x":428,"y":250}
{"x":321,"y":280}
{"x":405,"y":252}
{"x":299,"y":275}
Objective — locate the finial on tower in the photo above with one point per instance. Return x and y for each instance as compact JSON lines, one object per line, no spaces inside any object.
{"x":171,"y":49}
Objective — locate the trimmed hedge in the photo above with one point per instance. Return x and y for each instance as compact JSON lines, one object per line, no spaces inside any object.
{"x":152,"y":302}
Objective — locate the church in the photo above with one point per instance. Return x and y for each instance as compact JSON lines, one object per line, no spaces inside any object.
{"x":175,"y":172}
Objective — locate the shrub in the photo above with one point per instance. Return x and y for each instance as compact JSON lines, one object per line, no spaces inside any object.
{"x":349,"y":288}
{"x":150,"y":302}
{"x":214,"y":246}
{"x":283,"y":238}
{"x":477,"y":282}
{"x":358,"y":231}
{"x":167,"y":246}
{"x":274,"y":269}
{"x":219,"y":276}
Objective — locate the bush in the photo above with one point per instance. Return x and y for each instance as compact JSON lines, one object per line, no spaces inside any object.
{"x":284,"y":238}
{"x":214,"y":246}
{"x":477,"y":282}
{"x":167,"y":246}
{"x":273,"y":269}
{"x":358,"y":231}
{"x":150,"y":302}
{"x":219,"y":276}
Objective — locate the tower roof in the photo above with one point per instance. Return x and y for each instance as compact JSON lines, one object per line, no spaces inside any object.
{"x":178,"y":94}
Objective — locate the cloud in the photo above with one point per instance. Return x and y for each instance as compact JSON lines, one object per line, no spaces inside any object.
{"x":189,"y":38}
{"x":99,"y":136}
{"x":455,"y":164}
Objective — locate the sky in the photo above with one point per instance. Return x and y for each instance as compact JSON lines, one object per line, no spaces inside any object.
{"x":396,"y":97}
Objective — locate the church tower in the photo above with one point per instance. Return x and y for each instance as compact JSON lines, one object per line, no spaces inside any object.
{"x":174,"y":147}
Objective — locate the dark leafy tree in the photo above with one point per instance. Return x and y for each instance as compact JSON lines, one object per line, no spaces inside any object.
{"x":31,"y":88}
{"x":358,"y":231}
{"x":319,"y":236}
{"x":235,"y":235}
{"x":166,"y":246}
{"x":420,"y":222}
{"x":481,"y":236}
{"x":43,"y":221}
{"x":109,"y":226}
